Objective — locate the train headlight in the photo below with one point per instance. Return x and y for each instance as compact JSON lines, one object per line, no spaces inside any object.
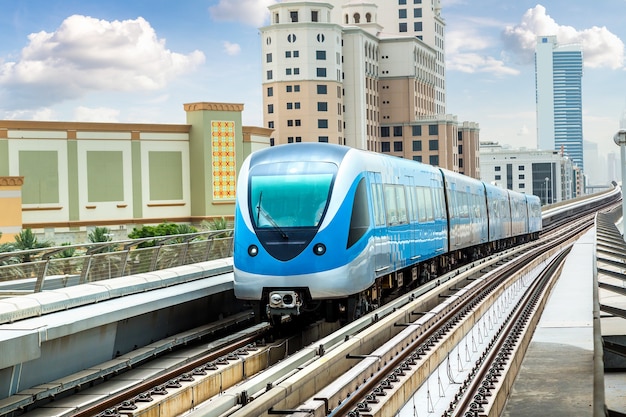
{"x":319,"y":249}
{"x":253,"y":250}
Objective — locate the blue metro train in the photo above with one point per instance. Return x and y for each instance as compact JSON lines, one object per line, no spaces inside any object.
{"x":332,"y":229}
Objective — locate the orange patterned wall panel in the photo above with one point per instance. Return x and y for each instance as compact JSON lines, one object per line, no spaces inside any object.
{"x":223,"y":160}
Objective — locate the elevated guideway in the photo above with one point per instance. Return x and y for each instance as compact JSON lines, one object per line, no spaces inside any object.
{"x":55,"y":333}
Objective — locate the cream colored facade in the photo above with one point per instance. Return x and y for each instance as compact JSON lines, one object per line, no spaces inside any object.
{"x":332,"y":72}
{"x":121,"y":175}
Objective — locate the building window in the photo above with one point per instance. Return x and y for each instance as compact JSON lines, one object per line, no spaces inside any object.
{"x":521,"y":167}
{"x":417,"y":158}
{"x":321,"y":89}
{"x":322,"y":139}
{"x":314,"y":16}
{"x":297,"y":121}
{"x":269,"y":74}
{"x":497,"y":169}
{"x":417,"y":26}
{"x":460,"y":162}
{"x":296,"y":105}
{"x":322,"y":106}
{"x":321,"y":72}
{"x":402,"y":13}
{"x":460,"y":149}
{"x":296,"y":54}
{"x":521,"y":176}
{"x":433,"y":145}
{"x":417,"y":12}
{"x":296,"y":88}
{"x":298,"y":138}
{"x":287,"y":54}
{"x":291,"y":38}
{"x":384,"y":131}
{"x":397,"y":131}
{"x":498,"y":177}
{"x":322,"y":123}
{"x":289,"y":106}
{"x":290,"y":139}
{"x":522,"y":186}
{"x":402,"y":27}
{"x":293,"y":16}
{"x":401,"y":2}
{"x":417,"y":146}
{"x":417,"y":1}
{"x":288,"y":71}
{"x":434,"y":160}
{"x":268,"y":57}
{"x":271,"y":141}
{"x":433,"y":130}
{"x":270,"y":124}
{"x":270,"y":108}
{"x":397,"y":146}
{"x":417,"y":130}
{"x":270,"y":91}
{"x":289,"y":123}
{"x":321,"y":55}
{"x":296,"y":71}
{"x":289,"y":88}
{"x":385,"y":147}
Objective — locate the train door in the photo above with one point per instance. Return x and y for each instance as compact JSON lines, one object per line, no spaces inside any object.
{"x":381,"y":239}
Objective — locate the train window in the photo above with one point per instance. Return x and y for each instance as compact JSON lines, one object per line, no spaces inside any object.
{"x":412,"y":203}
{"x":421,"y":203}
{"x":439,"y":202}
{"x":379,"y":210}
{"x":360,"y":219}
{"x":462,"y":204}
{"x":428,"y":203}
{"x":436,"y":207}
{"x":290,"y":194}
{"x":395,"y":204}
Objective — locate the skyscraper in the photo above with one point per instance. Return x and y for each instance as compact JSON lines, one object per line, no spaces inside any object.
{"x":558,"y":77}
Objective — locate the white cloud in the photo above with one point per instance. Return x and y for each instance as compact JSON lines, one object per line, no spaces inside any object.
{"x":250,"y":12}
{"x":86,"y":54}
{"x":601,"y":48}
{"x":97,"y":114}
{"x":523,"y":131}
{"x":231,"y":48}
{"x":464,"y":53}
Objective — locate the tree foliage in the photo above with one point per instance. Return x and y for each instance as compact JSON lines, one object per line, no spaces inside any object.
{"x":163,"y":229}
{"x":26,"y":240}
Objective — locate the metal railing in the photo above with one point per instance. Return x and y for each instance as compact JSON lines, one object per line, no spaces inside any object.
{"x":23,"y":272}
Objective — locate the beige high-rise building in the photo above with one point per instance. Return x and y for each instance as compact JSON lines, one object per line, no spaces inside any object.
{"x":369,"y":75}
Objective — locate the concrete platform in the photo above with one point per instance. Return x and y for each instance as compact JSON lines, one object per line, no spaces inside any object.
{"x":558,"y":374}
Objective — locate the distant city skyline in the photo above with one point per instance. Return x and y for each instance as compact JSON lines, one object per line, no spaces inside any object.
{"x":133,"y":62}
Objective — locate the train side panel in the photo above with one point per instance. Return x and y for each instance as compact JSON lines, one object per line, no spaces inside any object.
{"x":499,"y":213}
{"x":467,"y":211}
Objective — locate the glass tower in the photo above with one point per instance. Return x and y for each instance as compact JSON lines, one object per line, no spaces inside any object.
{"x":558,"y":81}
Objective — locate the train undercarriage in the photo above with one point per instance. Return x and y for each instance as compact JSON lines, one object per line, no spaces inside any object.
{"x":277,"y":303}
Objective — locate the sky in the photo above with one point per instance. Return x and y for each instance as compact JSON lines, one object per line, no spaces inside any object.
{"x":139,"y":61}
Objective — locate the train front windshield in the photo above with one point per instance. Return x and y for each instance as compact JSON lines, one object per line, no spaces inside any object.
{"x":290,"y":194}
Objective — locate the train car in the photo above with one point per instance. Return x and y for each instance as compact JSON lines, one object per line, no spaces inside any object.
{"x":332,"y":229}
{"x":467,"y":212}
{"x":533,"y":204}
{"x":499,"y":216}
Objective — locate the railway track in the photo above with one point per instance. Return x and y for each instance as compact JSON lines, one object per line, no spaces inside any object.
{"x":360,"y":369}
